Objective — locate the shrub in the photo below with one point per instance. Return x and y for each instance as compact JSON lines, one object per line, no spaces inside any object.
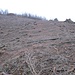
{"x":69,"y":21}
{"x":55,"y":19}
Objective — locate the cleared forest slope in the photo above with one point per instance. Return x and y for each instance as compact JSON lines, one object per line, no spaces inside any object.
{"x":36,"y":47}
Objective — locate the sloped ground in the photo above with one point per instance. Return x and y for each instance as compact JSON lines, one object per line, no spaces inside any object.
{"x":36,"y":47}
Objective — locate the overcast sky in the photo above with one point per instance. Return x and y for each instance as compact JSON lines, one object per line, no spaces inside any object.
{"x":50,"y":9}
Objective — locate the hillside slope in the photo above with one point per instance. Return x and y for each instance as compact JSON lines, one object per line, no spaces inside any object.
{"x":36,"y":47}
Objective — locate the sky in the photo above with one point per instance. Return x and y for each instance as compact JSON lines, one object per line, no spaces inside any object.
{"x":61,"y":9}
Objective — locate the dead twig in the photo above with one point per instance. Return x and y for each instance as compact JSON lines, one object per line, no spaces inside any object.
{"x":71,"y":70}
